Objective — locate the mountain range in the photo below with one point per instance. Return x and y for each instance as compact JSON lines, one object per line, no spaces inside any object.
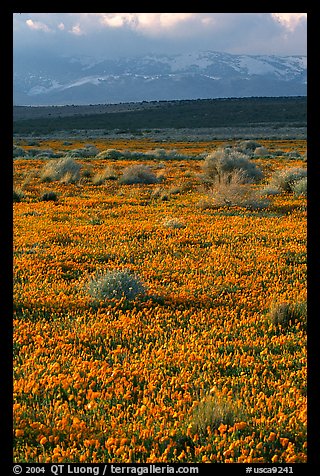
{"x":62,"y":80}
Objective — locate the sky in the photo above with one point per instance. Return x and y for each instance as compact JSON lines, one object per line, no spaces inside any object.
{"x":111,"y":35}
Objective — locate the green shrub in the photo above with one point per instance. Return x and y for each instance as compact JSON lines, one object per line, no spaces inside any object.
{"x":285,"y":314}
{"x":85,"y":152}
{"x":173,"y":223}
{"x":299,"y":187}
{"x":115,"y":284}
{"x":228,"y":189}
{"x":226,"y":161}
{"x":18,"y":195}
{"x":261,"y":152}
{"x":211,"y":412}
{"x":49,"y":196}
{"x":107,"y":174}
{"x":160,"y":193}
{"x":284,"y":179}
{"x":65,"y":169}
{"x":165,"y":154}
{"x":110,"y":154}
{"x":293,"y":154}
{"x":18,"y":152}
{"x":248,"y":146}
{"x":269,"y":190}
{"x":87,"y":172}
{"x":138,"y":174}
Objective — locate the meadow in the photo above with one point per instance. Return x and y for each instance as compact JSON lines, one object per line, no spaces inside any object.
{"x":207,"y":362}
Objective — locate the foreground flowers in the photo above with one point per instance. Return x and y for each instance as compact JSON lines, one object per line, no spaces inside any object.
{"x":122,"y":381}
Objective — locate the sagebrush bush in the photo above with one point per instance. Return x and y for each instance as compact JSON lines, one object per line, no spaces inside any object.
{"x":157,"y":153}
{"x":110,"y":154}
{"x":160,"y":193}
{"x":225,"y":161}
{"x":299,"y":187}
{"x":18,"y":152}
{"x":248,"y":146}
{"x":286,"y":313}
{"x":269,"y":190}
{"x":231,"y":189}
{"x":85,"y":152}
{"x":87,"y":172}
{"x":106,"y":174}
{"x":65,"y":169}
{"x":138,"y":174}
{"x":49,"y":155}
{"x":293,"y":154}
{"x":115,"y":284}
{"x":211,"y":412}
{"x":18,"y":195}
{"x":284,"y":179}
{"x":228,"y":189}
{"x":49,"y":196}
{"x":261,"y":152}
{"x":173,"y":223}
{"x":165,"y":154}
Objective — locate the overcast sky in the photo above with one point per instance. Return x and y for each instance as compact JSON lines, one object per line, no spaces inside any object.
{"x":111,"y":35}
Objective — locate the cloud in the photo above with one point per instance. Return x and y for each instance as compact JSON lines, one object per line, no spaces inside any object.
{"x":37,"y":25}
{"x":290,"y":20}
{"x":127,"y":34}
{"x":76,"y":30}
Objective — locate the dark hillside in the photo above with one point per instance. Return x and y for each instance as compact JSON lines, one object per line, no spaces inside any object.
{"x":245,"y":112}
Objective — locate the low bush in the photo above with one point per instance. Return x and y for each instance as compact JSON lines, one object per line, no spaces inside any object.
{"x":138,"y":174}
{"x":107,"y":174}
{"x":65,"y":170}
{"x":211,"y":412}
{"x":161,"y":194}
{"x":293,"y":154}
{"x":49,"y":196}
{"x":248,"y":146}
{"x":18,"y":152}
{"x":269,"y":190}
{"x":110,"y":154}
{"x":18,"y":195}
{"x":284,"y":179}
{"x":87,"y":172}
{"x":226,"y":161}
{"x":285,"y":314}
{"x":173,"y":223}
{"x":299,"y":187}
{"x":261,"y":152}
{"x":115,"y":284}
{"x":228,"y":189}
{"x":85,"y":152}
{"x":158,"y":153}
{"x":165,"y":154}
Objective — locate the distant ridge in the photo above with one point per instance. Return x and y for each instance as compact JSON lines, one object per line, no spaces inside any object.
{"x":65,"y":80}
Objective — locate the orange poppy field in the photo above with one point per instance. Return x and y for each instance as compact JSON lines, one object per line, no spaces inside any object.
{"x":194,"y":369}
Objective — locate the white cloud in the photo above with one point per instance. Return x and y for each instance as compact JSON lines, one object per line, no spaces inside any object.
{"x":152,"y":24}
{"x":76,"y":30}
{"x":116,"y":20}
{"x":37,"y":25}
{"x":290,"y":20}
{"x":128,"y":34}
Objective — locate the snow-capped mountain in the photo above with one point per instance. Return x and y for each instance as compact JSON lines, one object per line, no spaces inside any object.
{"x":200,"y":75}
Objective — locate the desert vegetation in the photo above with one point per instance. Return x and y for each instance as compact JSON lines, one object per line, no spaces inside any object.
{"x":232,"y":112}
{"x":160,"y":301}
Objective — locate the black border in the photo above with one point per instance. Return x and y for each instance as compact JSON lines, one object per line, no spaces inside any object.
{"x":313,"y":241}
